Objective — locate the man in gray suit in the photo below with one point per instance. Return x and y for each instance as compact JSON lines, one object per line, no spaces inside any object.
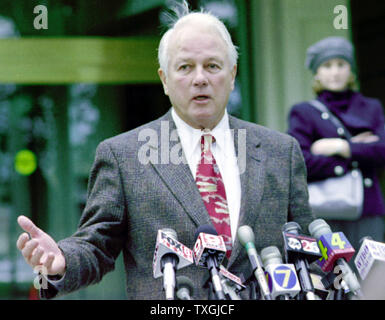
{"x":144,"y":180}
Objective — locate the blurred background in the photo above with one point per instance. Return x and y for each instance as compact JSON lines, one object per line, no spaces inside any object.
{"x":89,"y":71}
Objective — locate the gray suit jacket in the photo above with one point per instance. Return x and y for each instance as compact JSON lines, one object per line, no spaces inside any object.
{"x":128,"y":202}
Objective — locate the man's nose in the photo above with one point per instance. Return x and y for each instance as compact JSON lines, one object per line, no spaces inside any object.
{"x":200,"y":78}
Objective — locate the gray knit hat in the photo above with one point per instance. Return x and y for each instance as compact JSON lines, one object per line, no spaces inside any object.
{"x":329,"y":48}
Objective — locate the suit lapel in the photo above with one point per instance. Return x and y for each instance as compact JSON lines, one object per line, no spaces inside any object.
{"x":177,"y":176}
{"x":252,"y":180}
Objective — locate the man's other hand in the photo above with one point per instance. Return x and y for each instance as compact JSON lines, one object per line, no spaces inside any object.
{"x":39,"y":249}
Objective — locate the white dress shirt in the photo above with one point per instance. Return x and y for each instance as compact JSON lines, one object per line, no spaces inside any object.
{"x":224,"y":153}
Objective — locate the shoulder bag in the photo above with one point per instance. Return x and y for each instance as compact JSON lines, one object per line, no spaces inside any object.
{"x":337,"y":198}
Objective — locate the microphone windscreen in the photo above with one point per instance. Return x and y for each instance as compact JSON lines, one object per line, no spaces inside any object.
{"x":245,"y":235}
{"x":291,"y":227}
{"x":206,"y":228}
{"x":185,"y":282}
{"x":271,"y":255}
{"x":318,"y":228}
{"x":365,"y":238}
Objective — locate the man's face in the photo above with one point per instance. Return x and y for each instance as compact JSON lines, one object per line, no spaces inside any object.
{"x":199,"y":78}
{"x":334,"y":74}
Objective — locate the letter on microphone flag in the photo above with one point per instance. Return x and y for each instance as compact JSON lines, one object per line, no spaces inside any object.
{"x":166,"y":244}
{"x":371,"y":252}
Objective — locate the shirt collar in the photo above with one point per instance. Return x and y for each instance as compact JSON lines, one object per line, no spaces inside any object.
{"x":190,"y":137}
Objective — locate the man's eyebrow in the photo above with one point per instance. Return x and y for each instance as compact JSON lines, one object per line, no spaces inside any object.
{"x":182,"y":59}
{"x":218,"y":59}
{"x":189,"y":59}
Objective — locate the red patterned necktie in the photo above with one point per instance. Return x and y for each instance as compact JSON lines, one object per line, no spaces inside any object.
{"x":212,"y":190}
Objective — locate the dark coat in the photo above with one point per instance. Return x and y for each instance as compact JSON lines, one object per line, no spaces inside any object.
{"x":361,"y":114}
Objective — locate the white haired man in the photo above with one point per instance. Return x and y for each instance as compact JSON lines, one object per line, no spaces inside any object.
{"x":129,"y":200}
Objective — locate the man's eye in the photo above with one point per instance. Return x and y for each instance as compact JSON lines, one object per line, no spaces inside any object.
{"x":184,"y":67}
{"x":213,"y":66}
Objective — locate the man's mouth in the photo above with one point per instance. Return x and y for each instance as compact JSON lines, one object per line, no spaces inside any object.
{"x":201,"y":98}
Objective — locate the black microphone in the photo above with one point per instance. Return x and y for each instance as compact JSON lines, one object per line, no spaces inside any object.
{"x":209,"y":251}
{"x":184,"y":288}
{"x":169,"y":256}
{"x":300,"y":250}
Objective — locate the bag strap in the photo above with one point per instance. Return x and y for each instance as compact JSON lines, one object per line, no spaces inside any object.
{"x":341,"y":129}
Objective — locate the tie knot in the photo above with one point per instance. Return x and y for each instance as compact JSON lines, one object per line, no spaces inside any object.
{"x":206,"y":141}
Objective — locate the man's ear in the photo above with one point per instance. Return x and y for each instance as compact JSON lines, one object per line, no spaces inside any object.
{"x":233,"y":74}
{"x":163,"y":78}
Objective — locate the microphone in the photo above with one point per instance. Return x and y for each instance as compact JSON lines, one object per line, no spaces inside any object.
{"x":254,"y":292}
{"x":246,"y":238}
{"x":209,"y":251}
{"x":336,"y":251}
{"x":231,"y":284}
{"x":169,"y":256}
{"x":320,"y":289}
{"x":184,"y":288}
{"x":229,"y":290}
{"x":370,"y":264}
{"x":300,"y":250}
{"x":282,"y":278}
{"x":235,"y":280}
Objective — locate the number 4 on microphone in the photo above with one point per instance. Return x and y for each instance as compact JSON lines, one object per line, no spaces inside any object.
{"x":337,"y":241}
{"x":334,"y":246}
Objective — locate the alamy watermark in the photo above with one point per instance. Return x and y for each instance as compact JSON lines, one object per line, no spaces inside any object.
{"x":40,"y":281}
{"x":167,"y":149}
{"x":341,"y":20}
{"x":41,"y":20}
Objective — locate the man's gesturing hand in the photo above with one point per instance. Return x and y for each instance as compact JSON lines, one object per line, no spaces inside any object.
{"x":39,"y":249}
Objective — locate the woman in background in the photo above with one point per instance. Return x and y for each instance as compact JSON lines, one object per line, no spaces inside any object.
{"x":327,"y":154}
